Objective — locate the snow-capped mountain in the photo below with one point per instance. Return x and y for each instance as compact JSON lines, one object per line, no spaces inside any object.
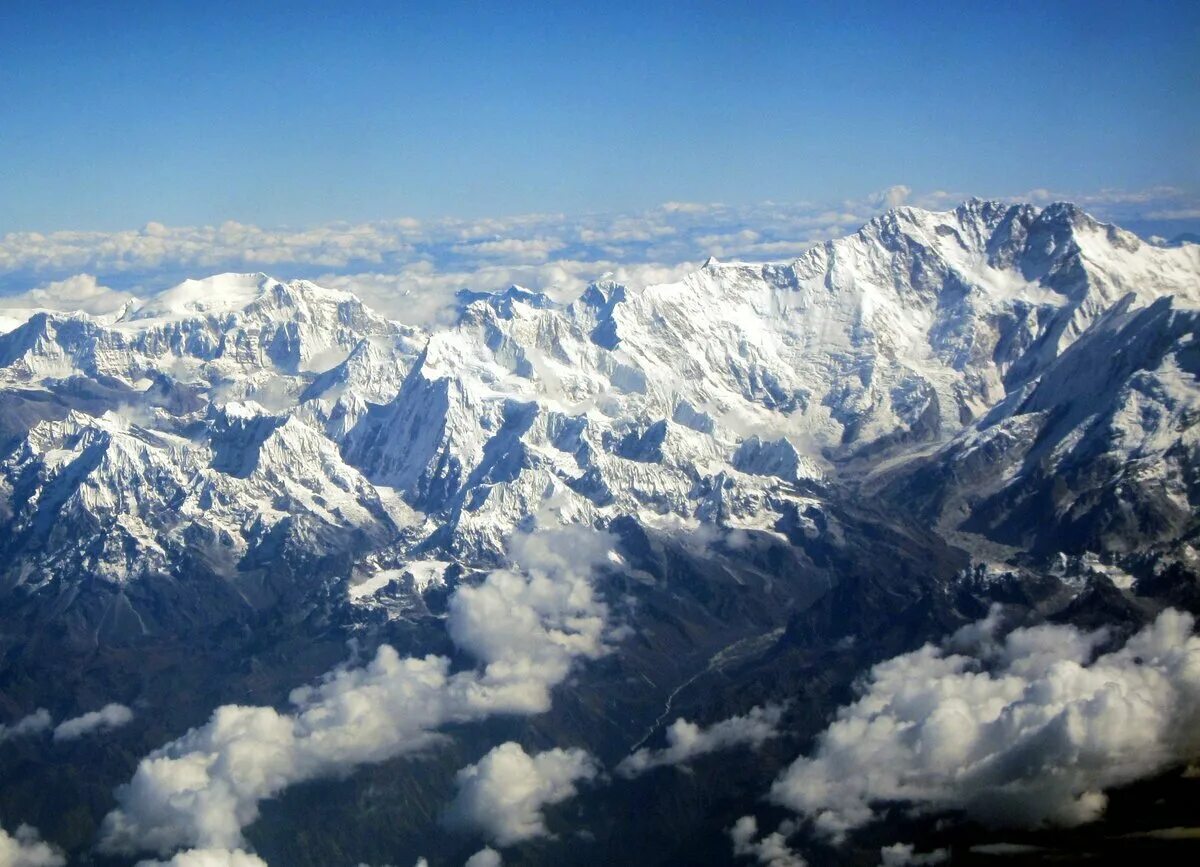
{"x":867,"y":444}
{"x":240,"y":411}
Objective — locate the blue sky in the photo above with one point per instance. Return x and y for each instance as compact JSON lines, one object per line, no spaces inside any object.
{"x":116,"y":114}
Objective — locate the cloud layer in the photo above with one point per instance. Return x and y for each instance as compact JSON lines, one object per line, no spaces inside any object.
{"x":503,"y":794}
{"x":686,"y":740}
{"x":410,"y":269}
{"x":1021,"y":731}
{"x":525,"y":629}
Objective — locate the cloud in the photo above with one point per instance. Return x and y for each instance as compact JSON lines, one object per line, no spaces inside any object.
{"x":36,"y":723}
{"x":894,"y":197}
{"x":80,"y":292}
{"x":902,"y":854}
{"x":772,"y":850}
{"x":25,"y":848}
{"x":422,"y":295}
{"x":1027,"y":730}
{"x":525,"y":629}
{"x":502,"y":795}
{"x":1184,"y":213}
{"x":420,"y":263}
{"x":512,"y":249}
{"x":1005,"y":849}
{"x":486,"y":857}
{"x":411,"y":269}
{"x":209,"y":858}
{"x":108,"y":717}
{"x":686,"y":740}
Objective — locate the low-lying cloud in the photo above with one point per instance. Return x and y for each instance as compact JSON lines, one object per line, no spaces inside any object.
{"x":485,"y":857}
{"x":503,"y":794}
{"x":905,"y":854}
{"x":110,"y":716}
{"x":209,"y":858}
{"x":1025,"y":730}
{"x":35,"y":723}
{"x":771,"y":850}
{"x":525,"y":628}
{"x":25,"y":848}
{"x":686,"y":740}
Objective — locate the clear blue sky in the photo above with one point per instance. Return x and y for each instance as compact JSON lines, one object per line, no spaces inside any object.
{"x":113,"y":114}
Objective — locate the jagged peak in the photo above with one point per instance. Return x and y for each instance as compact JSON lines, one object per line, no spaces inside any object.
{"x":603,"y":292}
{"x":504,"y":301}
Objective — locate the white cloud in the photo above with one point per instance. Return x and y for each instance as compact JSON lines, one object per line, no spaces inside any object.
{"x":512,"y":249}
{"x":108,"y":717}
{"x":410,"y":269}
{"x":25,"y":848}
{"x":772,"y":850}
{"x":903,"y":854}
{"x":35,"y":723}
{"x":209,"y":858}
{"x":424,"y":296}
{"x":895,"y":196}
{"x":503,"y":794}
{"x":1023,"y":731}
{"x":1174,"y":214}
{"x":525,"y":629}
{"x":686,"y":740}
{"x":485,"y":857}
{"x":81,"y":292}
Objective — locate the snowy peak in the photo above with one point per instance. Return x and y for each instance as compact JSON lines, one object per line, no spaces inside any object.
{"x":231,"y":325}
{"x":221,"y":293}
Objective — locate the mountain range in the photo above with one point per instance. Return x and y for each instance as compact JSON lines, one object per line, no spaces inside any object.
{"x":233,"y":487}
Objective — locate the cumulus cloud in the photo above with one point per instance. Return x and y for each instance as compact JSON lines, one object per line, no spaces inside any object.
{"x":81,"y":292}
{"x":686,"y":740}
{"x":1024,"y":730}
{"x":771,"y":850}
{"x":485,"y":857}
{"x":35,"y":723}
{"x":108,"y":717}
{"x":503,"y":794}
{"x":903,"y":854}
{"x":25,"y":848}
{"x":209,"y":858}
{"x":525,"y":628}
